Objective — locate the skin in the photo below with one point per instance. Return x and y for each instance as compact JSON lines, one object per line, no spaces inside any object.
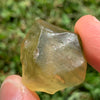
{"x":88,"y":28}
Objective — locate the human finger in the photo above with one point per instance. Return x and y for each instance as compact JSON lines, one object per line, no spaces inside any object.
{"x":88,"y":28}
{"x":13,"y":89}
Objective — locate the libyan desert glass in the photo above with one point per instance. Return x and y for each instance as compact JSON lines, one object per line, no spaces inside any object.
{"x":52,"y":58}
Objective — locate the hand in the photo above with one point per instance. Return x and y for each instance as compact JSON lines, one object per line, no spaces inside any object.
{"x":88,"y":27}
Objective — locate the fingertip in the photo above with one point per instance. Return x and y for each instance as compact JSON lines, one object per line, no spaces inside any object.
{"x":84,"y":21}
{"x":13,"y":89}
{"x":88,"y":27}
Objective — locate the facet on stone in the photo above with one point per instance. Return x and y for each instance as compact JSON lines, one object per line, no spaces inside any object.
{"x":52,"y":58}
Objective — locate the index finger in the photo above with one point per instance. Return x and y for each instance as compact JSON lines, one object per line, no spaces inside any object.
{"x":88,"y":27}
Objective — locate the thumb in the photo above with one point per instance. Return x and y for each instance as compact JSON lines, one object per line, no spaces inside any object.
{"x":13,"y":89}
{"x":88,"y":27}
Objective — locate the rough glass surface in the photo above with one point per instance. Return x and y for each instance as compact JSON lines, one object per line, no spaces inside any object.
{"x":52,"y":59}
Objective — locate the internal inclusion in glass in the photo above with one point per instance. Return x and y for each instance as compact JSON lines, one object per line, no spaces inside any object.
{"x":52,"y":58}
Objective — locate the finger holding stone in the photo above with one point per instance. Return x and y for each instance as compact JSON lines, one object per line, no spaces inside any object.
{"x":88,"y":27}
{"x":13,"y":89}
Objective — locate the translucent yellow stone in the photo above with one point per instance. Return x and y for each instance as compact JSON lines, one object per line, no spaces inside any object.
{"x":52,"y":58}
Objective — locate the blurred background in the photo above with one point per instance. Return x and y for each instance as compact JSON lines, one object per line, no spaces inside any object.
{"x":16,"y":18}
